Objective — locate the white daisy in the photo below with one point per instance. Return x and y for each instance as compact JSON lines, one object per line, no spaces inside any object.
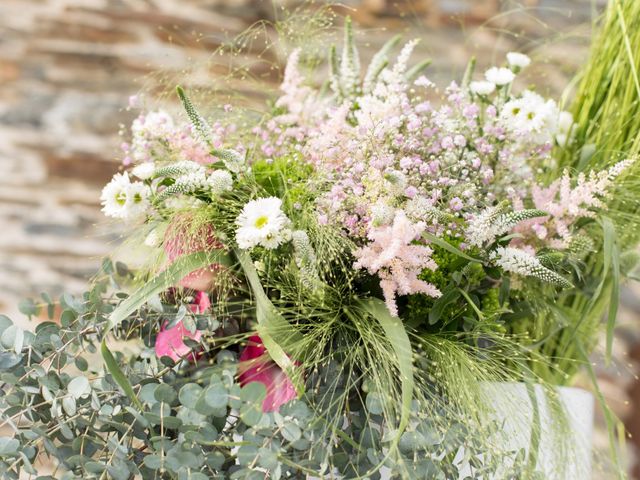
{"x":499,"y":75}
{"x":137,"y":200}
{"x":518,"y":60}
{"x":262,"y":222}
{"x":144,"y":171}
{"x":114,"y":196}
{"x":125,"y":200}
{"x":482,"y":87}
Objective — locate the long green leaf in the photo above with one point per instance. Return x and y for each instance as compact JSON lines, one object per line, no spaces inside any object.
{"x":448,"y":247}
{"x":168,"y":278}
{"x":399,"y":340}
{"x":611,"y":260}
{"x":118,"y":375}
{"x":270,"y":323}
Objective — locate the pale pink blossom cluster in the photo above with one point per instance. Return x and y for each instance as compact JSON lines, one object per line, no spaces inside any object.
{"x":397,"y":261}
{"x":566,"y":200}
{"x":395,"y":163}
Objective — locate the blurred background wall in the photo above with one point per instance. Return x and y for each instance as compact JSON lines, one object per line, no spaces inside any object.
{"x":67,"y":68}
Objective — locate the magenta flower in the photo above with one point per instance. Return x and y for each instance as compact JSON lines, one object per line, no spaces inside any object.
{"x":257,"y":366}
{"x":170,"y":343}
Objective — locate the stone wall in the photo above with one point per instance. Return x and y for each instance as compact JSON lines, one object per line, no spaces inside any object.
{"x":67,"y":68}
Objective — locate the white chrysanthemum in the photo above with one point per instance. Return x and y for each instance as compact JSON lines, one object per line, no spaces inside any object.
{"x":518,"y":60}
{"x":138,"y":200}
{"x":144,"y":171}
{"x":262,"y":222}
{"x":482,"y":87}
{"x":499,"y":75}
{"x":114,"y":195}
{"x":531,"y":116}
{"x":220,"y":181}
{"x":125,"y":200}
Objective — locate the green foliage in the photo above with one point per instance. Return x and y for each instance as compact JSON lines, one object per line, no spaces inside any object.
{"x":196,"y":421}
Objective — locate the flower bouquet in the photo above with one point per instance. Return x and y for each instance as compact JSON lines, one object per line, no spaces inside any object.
{"x":364,"y":282}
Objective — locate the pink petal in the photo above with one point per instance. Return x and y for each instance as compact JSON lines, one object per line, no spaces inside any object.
{"x":201,"y":303}
{"x":169,"y":342}
{"x":258,"y":367}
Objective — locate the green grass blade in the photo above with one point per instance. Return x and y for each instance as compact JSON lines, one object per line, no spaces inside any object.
{"x":118,"y":375}
{"x":612,"y":261}
{"x":399,"y":340}
{"x":416,"y":70}
{"x":613,"y":424}
{"x":448,"y":247}
{"x":271,"y":323}
{"x":168,"y":278}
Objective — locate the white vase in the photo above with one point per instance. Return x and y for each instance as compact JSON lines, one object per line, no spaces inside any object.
{"x":565,"y":425}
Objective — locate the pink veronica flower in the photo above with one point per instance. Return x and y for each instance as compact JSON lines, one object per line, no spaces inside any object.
{"x":169,"y":342}
{"x":258,"y":367}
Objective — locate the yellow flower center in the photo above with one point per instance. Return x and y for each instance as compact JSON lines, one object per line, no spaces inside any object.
{"x":121,"y":198}
{"x":261,"y":221}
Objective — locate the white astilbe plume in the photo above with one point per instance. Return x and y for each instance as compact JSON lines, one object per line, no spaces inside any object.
{"x":397,"y":262}
{"x":350,"y":62}
{"x":518,"y":261}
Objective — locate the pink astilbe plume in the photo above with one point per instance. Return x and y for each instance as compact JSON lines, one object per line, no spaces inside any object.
{"x":397,"y":262}
{"x":565,"y":203}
